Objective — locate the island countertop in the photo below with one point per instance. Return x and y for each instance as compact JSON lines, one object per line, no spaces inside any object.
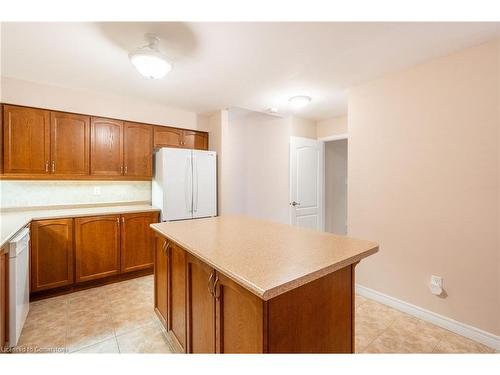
{"x":264,"y":257}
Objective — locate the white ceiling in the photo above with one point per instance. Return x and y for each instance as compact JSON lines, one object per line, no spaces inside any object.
{"x":220,"y":65}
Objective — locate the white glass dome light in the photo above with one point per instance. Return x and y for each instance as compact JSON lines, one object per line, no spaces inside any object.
{"x":299,"y":101}
{"x":149,"y":61}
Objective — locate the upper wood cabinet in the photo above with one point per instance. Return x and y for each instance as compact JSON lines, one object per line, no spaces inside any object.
{"x":69,"y":143}
{"x":26,"y":140}
{"x":167,"y":137}
{"x":43,"y":144}
{"x":195,"y":140}
{"x":138,"y":150}
{"x":106,"y":139}
{"x":172,"y":137}
{"x":97,"y":247}
{"x":137,"y":241}
{"x":51,"y":254}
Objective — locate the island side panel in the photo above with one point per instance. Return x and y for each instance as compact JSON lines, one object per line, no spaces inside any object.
{"x":314,"y":318}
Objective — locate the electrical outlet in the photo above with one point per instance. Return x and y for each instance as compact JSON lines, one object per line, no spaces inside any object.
{"x":97,"y":190}
{"x":436,"y":285}
{"x":437,"y":280}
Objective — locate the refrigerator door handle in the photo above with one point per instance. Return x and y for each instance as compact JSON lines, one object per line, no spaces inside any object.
{"x":195,"y":184}
{"x":188,"y":196}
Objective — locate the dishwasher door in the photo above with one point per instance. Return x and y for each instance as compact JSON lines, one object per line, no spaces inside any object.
{"x":19,"y":284}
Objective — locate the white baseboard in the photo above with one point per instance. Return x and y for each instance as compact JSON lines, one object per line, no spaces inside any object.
{"x":473,"y":333}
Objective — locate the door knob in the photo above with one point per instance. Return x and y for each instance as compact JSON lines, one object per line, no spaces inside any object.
{"x":294,"y":204}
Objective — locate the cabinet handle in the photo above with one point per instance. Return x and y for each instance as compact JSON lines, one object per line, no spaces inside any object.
{"x":118,"y":220}
{"x":210,"y":290}
{"x":166,"y":245}
{"x":53,"y":166}
{"x":126,"y":169}
{"x":47,"y":166}
{"x":215,"y":294}
{"x":121,"y":168}
{"x":123,"y":220}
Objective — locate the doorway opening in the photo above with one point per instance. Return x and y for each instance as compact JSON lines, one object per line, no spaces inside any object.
{"x":336,"y":186}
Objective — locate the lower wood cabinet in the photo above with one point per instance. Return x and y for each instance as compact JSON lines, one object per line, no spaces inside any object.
{"x":239,"y":318}
{"x":205,"y":311}
{"x":200,"y":307}
{"x":97,"y":247}
{"x":4,"y":297}
{"x":137,"y":241}
{"x":177,"y":295}
{"x":51,"y":254}
{"x":161,"y":280}
{"x":65,"y":252}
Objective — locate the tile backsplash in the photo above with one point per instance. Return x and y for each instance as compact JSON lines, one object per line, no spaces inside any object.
{"x":50,"y":193}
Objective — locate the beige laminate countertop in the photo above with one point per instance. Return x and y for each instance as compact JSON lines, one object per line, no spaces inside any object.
{"x":13,"y":220}
{"x":266,"y":258}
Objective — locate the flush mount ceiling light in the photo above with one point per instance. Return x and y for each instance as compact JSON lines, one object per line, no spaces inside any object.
{"x":299,"y":101}
{"x":149,"y":61}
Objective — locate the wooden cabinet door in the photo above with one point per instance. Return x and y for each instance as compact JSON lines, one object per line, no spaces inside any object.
{"x":106,"y":153}
{"x":51,"y":254}
{"x":195,"y":140}
{"x":97,"y":247}
{"x":69,"y":144}
{"x":138,"y":150}
{"x":161,"y":280}
{"x":239,"y":318}
{"x":167,"y":137}
{"x":177,"y":295}
{"x":137,"y":241}
{"x":200,"y":307}
{"x":26,"y":140}
{"x":4,"y":293}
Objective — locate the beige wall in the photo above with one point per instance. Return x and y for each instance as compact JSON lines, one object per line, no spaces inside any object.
{"x":255,"y":150}
{"x":301,"y":127}
{"x":424,"y":183}
{"x":336,"y":187}
{"x":216,"y":125}
{"x":331,"y":126}
{"x":15,"y":91}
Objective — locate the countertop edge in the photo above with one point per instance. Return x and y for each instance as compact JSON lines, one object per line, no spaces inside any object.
{"x":31,"y":216}
{"x":266,"y":295}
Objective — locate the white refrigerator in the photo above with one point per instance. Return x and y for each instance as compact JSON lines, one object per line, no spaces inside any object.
{"x":185,"y":183}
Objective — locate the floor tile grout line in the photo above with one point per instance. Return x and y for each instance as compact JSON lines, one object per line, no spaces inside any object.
{"x":380,"y":334}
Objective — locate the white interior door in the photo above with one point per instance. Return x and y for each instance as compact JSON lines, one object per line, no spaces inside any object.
{"x":177,"y":184}
{"x":204,"y":184}
{"x":307,"y":183}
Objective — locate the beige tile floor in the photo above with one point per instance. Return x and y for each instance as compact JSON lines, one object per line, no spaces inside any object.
{"x":119,"y":318}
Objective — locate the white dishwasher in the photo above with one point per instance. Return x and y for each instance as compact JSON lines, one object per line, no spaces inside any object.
{"x":19,"y":284}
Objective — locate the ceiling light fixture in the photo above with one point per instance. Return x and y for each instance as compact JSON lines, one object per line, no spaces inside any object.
{"x":149,"y":61}
{"x":299,"y":101}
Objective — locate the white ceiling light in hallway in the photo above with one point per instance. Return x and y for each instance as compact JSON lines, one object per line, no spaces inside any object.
{"x":299,"y":101}
{"x":149,"y":61}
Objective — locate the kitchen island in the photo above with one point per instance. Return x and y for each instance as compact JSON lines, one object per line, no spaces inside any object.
{"x":234,"y":284}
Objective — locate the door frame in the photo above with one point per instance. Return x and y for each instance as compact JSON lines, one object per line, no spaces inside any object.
{"x":336,"y":137}
{"x":321,"y":183}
